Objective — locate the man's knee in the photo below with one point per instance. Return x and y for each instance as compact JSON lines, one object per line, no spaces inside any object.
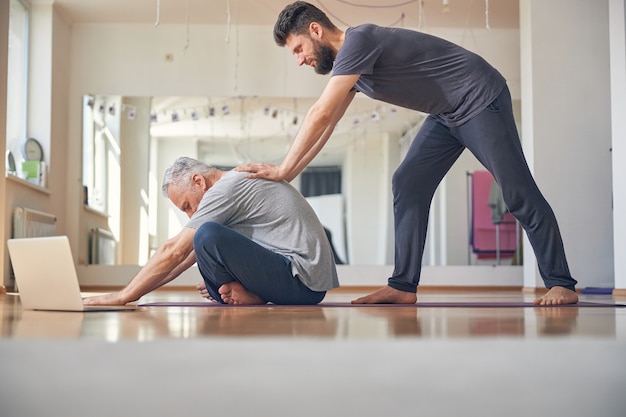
{"x":410,"y":185}
{"x":402,"y":180}
{"x":207,"y":233}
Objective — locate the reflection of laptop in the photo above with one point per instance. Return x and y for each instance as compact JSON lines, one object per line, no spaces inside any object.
{"x":46,"y":276}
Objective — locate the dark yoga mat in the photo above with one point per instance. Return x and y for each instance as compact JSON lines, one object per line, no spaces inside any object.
{"x":473,"y":304}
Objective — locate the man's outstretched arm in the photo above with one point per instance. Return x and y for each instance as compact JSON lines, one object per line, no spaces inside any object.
{"x":170,"y":260}
{"x":316,"y":129}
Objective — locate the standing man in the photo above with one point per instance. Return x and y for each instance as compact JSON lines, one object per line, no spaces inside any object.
{"x":254,"y":241}
{"x":470,"y":107}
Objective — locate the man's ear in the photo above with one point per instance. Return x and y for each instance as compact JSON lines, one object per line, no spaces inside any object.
{"x":198,"y":179}
{"x":316,"y":30}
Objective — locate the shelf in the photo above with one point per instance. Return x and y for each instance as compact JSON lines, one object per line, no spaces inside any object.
{"x":28,"y":184}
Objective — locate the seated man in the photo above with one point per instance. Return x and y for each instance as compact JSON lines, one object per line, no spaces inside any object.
{"x":254,"y":241}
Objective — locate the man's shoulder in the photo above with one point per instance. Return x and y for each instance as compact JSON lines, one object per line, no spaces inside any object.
{"x":239,"y":178}
{"x":233,"y":176}
{"x":363,"y":29}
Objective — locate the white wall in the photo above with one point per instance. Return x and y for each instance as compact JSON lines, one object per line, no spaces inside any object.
{"x":130,"y":60}
{"x":617,"y":20}
{"x":48,"y":97}
{"x":4,"y":51}
{"x":364,"y":169}
{"x":566,"y":129}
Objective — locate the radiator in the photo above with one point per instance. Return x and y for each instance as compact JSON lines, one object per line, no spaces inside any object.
{"x":32,"y":223}
{"x":102,"y":245}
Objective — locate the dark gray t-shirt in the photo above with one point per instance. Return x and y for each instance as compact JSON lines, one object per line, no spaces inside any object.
{"x":276,"y":216}
{"x":418,"y":71}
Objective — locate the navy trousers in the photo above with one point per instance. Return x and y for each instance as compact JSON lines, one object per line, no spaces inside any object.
{"x":224,"y":256}
{"x":492,"y":137}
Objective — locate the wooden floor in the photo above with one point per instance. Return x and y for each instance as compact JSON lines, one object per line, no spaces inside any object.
{"x":312,"y":361}
{"x":151,"y":323}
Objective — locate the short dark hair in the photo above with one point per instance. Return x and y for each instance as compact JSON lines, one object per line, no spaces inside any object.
{"x":296,"y":18}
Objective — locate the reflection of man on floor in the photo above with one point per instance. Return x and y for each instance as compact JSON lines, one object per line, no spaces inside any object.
{"x":254,"y":241}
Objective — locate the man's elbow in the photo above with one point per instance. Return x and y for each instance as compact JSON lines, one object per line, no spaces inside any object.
{"x":173,"y":254}
{"x":321,"y":114}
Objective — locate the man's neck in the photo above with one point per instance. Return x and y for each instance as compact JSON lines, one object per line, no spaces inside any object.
{"x":337,"y":39}
{"x":213,"y":177}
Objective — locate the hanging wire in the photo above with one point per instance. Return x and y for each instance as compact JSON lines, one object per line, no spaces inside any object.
{"x":421,"y":15}
{"x":373,"y":6}
{"x":227,"y":21}
{"x":338,"y":19}
{"x":158,"y":13}
{"x":236,"y":71}
{"x":187,"y":40}
{"x":332,"y":15}
{"x":487,"y":15}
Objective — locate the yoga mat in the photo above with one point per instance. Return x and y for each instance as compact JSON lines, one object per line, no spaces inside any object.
{"x":596,"y":290}
{"x":471,"y":304}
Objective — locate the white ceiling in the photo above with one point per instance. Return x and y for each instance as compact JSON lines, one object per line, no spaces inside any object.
{"x":459,"y":13}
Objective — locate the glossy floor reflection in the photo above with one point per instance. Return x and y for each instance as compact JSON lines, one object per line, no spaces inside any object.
{"x":342,"y":323}
{"x":315,"y":361}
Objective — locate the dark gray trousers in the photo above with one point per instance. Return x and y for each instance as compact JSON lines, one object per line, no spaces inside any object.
{"x":492,"y":137}
{"x":224,"y":256}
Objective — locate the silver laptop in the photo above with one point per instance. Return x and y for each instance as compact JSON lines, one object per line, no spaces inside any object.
{"x":46,"y":276}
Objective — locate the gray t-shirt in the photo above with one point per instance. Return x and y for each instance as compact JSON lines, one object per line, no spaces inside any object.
{"x":276,"y":216}
{"x":418,"y":71}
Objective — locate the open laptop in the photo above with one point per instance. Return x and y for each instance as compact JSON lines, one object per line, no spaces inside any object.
{"x":46,"y":276}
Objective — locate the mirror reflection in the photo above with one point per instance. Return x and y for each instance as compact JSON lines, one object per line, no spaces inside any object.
{"x":128,"y":142}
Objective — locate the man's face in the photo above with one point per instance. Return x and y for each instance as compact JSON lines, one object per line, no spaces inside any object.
{"x":324,"y":57}
{"x":312,"y":52}
{"x":186,"y":199}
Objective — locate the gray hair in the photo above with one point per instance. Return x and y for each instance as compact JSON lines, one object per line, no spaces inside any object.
{"x":181,"y":171}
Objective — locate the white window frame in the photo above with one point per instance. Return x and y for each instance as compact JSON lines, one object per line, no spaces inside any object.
{"x":17,"y":79}
{"x":101,"y":152}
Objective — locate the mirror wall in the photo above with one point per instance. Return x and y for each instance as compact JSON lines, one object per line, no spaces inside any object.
{"x":130,"y":141}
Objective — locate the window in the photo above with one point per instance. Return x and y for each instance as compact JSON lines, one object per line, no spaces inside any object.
{"x":101,"y":152}
{"x":17,"y":80}
{"x":316,"y":181}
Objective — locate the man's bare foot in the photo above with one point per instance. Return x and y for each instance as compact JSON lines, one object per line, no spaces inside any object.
{"x":387,"y":295}
{"x":557,"y":296}
{"x":201,"y":287}
{"x":235,"y":293}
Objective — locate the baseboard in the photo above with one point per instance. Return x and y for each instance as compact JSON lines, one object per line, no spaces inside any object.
{"x":112,"y":276}
{"x":114,"y":288}
{"x":343,"y":289}
{"x":534,"y":290}
{"x":541,"y":290}
{"x":619,"y":291}
{"x":433,"y":288}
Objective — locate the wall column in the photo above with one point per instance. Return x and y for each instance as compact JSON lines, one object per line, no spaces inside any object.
{"x":135,"y":167}
{"x":617,"y":40}
{"x":5,"y":229}
{"x":566,"y":126}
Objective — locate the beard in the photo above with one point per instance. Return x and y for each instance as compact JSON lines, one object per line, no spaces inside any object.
{"x":324,"y":58}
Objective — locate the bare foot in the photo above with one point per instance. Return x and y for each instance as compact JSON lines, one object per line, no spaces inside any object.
{"x":235,"y":293}
{"x":557,"y":296}
{"x":201,"y":287}
{"x":387,"y":295}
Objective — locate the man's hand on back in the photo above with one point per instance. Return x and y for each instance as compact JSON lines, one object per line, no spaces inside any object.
{"x":261,"y":170}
